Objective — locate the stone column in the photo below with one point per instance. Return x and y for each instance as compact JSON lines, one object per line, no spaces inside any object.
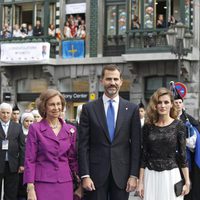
{"x":93,"y":82}
{"x":60,"y":15}
{"x":93,"y":27}
{"x":191,"y":100}
{"x":101,"y":27}
{"x":87,"y":21}
{"x":136,"y":91}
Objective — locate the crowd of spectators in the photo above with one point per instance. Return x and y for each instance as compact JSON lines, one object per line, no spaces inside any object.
{"x":26,"y":30}
{"x":74,"y":27}
{"x":160,"y":23}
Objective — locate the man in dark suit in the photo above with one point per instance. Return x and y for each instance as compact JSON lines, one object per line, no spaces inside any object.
{"x":11,"y":152}
{"x":109,"y":142}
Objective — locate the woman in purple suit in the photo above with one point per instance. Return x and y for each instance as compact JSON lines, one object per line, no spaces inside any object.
{"x":51,"y":157}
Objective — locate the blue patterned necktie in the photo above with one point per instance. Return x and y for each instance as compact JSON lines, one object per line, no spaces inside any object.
{"x":111,"y":119}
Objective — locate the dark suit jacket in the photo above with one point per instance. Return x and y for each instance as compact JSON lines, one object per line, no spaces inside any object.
{"x":98,"y":155}
{"x":16,"y":147}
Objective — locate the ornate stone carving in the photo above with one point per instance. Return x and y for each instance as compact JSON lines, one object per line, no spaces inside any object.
{"x":50,"y":73}
{"x":134,"y":74}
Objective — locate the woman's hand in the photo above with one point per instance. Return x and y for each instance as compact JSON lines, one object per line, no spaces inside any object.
{"x":77,"y":178}
{"x":186,"y":189}
{"x":79,"y":191}
{"x":31,"y":195}
{"x":140,"y":189}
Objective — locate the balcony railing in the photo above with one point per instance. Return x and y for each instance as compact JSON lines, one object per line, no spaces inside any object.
{"x":136,"y":41}
{"x":146,"y":40}
{"x":114,"y":45}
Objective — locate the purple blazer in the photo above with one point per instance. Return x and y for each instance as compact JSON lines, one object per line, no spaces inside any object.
{"x":50,"y":158}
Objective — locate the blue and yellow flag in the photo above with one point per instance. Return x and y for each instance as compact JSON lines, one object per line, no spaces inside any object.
{"x":73,"y":49}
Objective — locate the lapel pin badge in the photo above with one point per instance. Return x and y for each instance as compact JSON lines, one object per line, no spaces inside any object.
{"x":72,"y":130}
{"x":126,"y":108}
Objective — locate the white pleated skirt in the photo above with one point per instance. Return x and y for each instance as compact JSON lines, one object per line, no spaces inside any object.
{"x":160,"y":185}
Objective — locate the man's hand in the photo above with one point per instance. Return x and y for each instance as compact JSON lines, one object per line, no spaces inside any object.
{"x":21,"y":169}
{"x":131,"y":184}
{"x":88,"y":184}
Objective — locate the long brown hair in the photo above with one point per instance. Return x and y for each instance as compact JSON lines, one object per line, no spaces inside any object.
{"x":151,"y":112}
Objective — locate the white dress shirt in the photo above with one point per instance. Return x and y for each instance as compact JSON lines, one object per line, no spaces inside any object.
{"x":115,"y":104}
{"x":5,"y":128}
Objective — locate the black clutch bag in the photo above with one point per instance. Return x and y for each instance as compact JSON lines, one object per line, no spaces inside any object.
{"x":178,"y":187}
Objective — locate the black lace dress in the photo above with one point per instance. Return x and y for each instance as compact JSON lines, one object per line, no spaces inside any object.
{"x":164,"y":150}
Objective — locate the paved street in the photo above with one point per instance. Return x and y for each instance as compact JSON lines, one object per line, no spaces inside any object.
{"x":131,"y":197}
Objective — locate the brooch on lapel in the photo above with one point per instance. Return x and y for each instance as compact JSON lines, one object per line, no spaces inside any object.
{"x":72,"y":131}
{"x":126,"y":108}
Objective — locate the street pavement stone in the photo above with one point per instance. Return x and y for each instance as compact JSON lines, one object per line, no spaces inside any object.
{"x":131,"y":197}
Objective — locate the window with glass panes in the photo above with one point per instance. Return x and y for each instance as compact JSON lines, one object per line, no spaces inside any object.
{"x":116,"y":17}
{"x":145,"y":14}
{"x":28,"y":12}
{"x":152,"y":83}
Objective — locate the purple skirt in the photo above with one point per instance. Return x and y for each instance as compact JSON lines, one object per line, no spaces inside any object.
{"x":54,"y":191}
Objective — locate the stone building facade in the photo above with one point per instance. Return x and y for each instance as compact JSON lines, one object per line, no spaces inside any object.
{"x":144,"y":69}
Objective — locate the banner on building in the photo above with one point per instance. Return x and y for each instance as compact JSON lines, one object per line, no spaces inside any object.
{"x":75,"y":8}
{"x":73,"y":49}
{"x":25,"y":52}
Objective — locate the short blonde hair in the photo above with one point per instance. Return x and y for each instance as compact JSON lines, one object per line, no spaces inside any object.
{"x":44,"y":97}
{"x":151,"y":112}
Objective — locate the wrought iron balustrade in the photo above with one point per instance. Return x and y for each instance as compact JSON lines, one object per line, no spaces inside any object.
{"x":135,"y":41}
{"x":146,"y":39}
{"x":114,"y":45}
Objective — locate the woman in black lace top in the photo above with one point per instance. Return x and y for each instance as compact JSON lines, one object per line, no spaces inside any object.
{"x":163,"y":150}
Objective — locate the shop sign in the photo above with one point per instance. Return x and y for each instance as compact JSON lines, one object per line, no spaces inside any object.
{"x":76,"y":96}
{"x":7,"y":96}
{"x":69,"y":96}
{"x":92,"y":96}
{"x":27,"y":96}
